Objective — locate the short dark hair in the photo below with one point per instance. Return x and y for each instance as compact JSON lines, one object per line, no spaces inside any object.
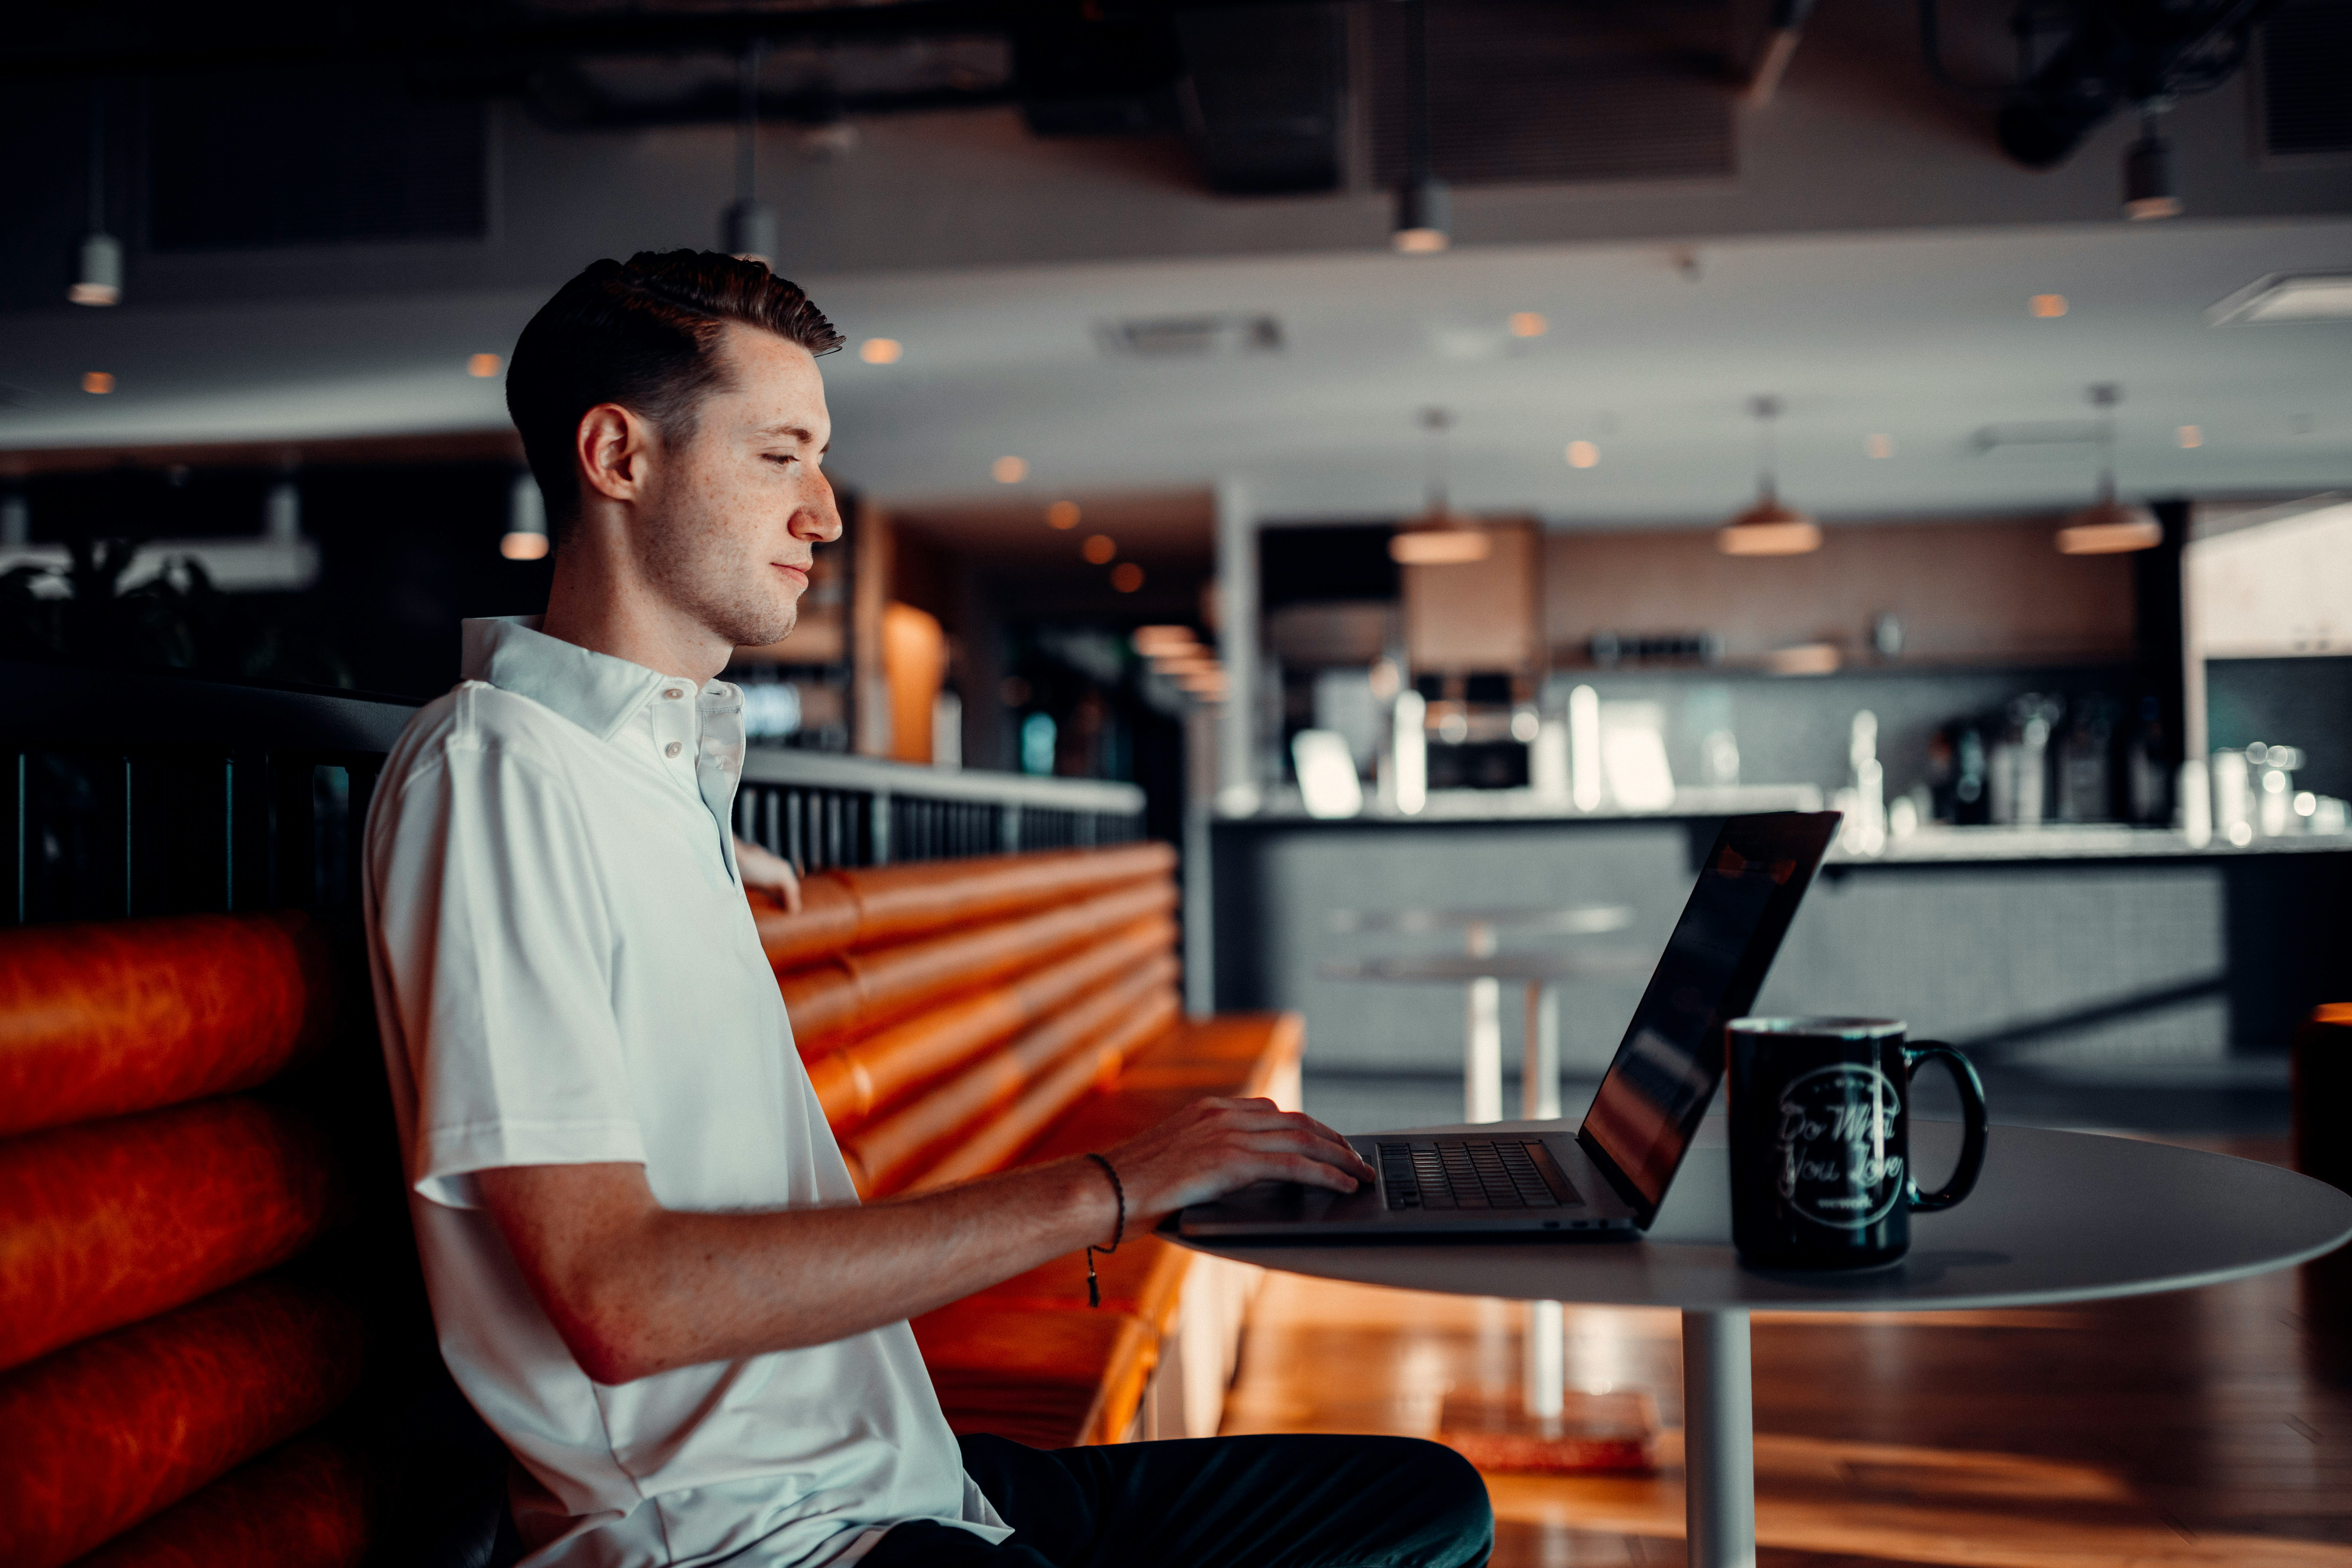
{"x":642,"y":333}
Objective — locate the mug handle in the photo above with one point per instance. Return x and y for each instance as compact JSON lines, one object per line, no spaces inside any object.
{"x":1972,"y":1124}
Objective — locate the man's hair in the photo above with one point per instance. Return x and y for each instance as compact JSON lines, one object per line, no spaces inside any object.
{"x":643,"y":334}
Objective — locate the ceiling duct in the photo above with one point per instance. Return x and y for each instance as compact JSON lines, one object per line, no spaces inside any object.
{"x":1265,"y":96}
{"x":1569,"y":93}
{"x":261,"y":158}
{"x":2307,"y":80}
{"x":1082,"y":70}
{"x":799,"y":84}
{"x":2110,"y":55}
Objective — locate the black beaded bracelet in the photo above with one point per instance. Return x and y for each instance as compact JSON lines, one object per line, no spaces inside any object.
{"x":1118,"y":1235}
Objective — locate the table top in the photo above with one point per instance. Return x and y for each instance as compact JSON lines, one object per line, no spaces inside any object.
{"x":1574,"y":919}
{"x":2056,"y":1217}
{"x":1457,"y":967}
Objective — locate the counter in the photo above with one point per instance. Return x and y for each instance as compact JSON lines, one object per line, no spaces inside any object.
{"x":2072,"y":945}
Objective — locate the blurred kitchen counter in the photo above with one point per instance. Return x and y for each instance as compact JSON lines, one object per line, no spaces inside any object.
{"x":2064,"y":944}
{"x":2077,"y":841}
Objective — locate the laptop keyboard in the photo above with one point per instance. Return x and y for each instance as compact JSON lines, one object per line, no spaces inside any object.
{"x":1474,"y":1174}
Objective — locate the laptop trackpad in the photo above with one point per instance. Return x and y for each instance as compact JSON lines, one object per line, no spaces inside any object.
{"x":1294,"y":1202}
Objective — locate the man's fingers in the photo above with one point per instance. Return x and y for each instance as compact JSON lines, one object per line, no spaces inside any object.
{"x":1308,"y":1171}
{"x":1303,"y":1126}
{"x":1297,"y":1143}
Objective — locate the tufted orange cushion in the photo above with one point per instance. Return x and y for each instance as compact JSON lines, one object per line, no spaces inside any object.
{"x":114,"y":1221}
{"x":112,"y":1016}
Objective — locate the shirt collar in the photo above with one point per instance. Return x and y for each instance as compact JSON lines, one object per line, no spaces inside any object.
{"x":595,"y":690}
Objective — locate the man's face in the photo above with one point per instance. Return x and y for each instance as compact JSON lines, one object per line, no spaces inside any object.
{"x":739,"y":505}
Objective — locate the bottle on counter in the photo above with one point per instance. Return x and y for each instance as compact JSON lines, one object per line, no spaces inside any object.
{"x":1956,"y":774}
{"x":2147,"y":782}
{"x":2018,"y":769}
{"x":2233,"y":800}
{"x":2271,"y":778}
{"x":2086,"y":761}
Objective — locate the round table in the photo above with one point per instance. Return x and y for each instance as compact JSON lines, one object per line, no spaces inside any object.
{"x":2056,"y":1217}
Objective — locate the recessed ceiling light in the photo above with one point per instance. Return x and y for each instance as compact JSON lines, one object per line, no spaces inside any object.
{"x":97,"y":382}
{"x":880,"y":350}
{"x":2287,"y":296}
{"x":1126,"y":576}
{"x":1062,"y":514}
{"x":1099,"y":547}
{"x":1879,"y":446}
{"x":481,"y":367}
{"x":2047,"y":306}
{"x":1009,"y":470}
{"x":1582,"y":454}
{"x":1529,"y":325}
{"x":2189,"y":436}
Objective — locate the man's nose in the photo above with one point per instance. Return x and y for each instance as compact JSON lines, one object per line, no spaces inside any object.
{"x":819,"y":519}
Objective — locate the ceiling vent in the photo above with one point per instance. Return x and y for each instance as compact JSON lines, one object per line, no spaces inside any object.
{"x":1571,"y":93}
{"x":259,"y":158}
{"x":2306,"y":107}
{"x":1192,"y":337}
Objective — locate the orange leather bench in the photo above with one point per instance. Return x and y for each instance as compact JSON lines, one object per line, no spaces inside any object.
{"x":959,"y":1017}
{"x":210,"y":1327}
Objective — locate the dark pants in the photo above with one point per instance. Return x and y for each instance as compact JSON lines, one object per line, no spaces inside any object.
{"x":1214,"y":1502}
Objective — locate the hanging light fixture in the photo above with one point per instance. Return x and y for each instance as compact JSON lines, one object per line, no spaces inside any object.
{"x":2107,"y":526}
{"x":2148,"y":191}
{"x":1769,"y":528}
{"x":1439,"y":536}
{"x":99,"y":281}
{"x":1425,"y":215}
{"x":749,"y":230}
{"x":526,"y":535}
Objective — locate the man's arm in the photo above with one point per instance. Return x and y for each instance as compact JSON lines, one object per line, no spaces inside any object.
{"x":636,"y":1288}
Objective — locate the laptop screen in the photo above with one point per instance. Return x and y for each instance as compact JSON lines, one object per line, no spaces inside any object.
{"x":1665,"y":1070}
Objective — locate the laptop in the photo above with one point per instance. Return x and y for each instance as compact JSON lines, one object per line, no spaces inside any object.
{"x":1610,"y":1177}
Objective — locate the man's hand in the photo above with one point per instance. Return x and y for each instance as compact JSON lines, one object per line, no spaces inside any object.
{"x":771,"y":874}
{"x":1217,"y":1146}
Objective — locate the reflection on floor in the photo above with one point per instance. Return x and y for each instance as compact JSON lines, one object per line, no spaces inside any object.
{"x":2206,"y":1427}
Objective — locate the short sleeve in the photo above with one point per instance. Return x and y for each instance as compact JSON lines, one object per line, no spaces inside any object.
{"x":495,"y":944}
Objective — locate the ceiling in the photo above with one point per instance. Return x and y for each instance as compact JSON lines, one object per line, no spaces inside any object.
{"x":1652,"y":353}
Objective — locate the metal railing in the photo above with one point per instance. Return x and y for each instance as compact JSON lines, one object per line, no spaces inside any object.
{"x":130,"y":793}
{"x":821,"y":812}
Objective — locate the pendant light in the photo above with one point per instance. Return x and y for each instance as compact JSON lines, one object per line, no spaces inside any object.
{"x":2107,"y":526}
{"x":1425,"y":212}
{"x":1439,"y":536}
{"x":99,"y":281}
{"x":750,"y":231}
{"x":1769,"y":528}
{"x":2148,"y":191}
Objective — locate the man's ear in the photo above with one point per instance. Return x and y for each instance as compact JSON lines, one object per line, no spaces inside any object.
{"x":612,"y":447}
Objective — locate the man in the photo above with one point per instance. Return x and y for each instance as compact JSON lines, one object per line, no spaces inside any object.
{"x":648,"y":1268}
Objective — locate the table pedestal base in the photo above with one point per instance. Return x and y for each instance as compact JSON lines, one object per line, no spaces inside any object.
{"x":1718,"y":1441}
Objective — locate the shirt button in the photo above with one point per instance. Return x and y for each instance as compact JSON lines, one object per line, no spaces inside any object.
{"x":673,"y":694}
{"x":671,"y":749}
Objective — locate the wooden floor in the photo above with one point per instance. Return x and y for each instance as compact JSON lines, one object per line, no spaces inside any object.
{"x":2204,"y":1427}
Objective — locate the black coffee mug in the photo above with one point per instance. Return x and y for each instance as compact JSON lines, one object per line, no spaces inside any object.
{"x":1821,"y":1140}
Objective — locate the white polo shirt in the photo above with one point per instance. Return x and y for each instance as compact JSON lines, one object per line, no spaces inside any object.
{"x":566,"y":972}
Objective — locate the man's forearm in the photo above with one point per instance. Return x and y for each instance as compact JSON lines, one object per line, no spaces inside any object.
{"x":636,"y":1290}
